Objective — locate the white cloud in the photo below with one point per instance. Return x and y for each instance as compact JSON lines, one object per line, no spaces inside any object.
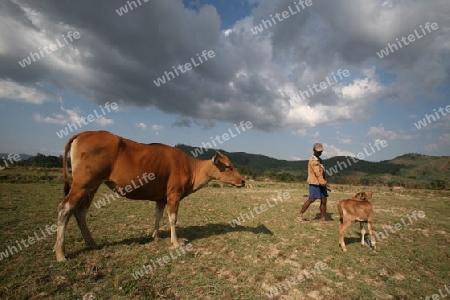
{"x":56,"y":119}
{"x":380,"y":132}
{"x":141,"y":125}
{"x":300,"y":132}
{"x":157,"y":128}
{"x":70,"y":116}
{"x":314,"y":134}
{"x":361,"y":88}
{"x":331,"y":151}
{"x":296,"y":158}
{"x":14,"y":91}
{"x":104,"y":121}
{"x":344,"y":140}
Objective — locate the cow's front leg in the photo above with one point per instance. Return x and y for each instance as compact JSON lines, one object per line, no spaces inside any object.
{"x":173,"y":233}
{"x":158,"y":214}
{"x":172,"y":211}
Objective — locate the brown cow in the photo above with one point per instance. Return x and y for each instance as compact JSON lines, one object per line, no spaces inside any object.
{"x":101,"y":157}
{"x":357,"y":209}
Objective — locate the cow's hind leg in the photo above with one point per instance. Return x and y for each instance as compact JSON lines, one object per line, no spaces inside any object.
{"x":65,"y":210}
{"x":80,"y":215}
{"x":64,"y":213}
{"x":160,"y":205}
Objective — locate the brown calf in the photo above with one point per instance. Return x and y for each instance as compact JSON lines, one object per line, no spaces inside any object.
{"x":357,"y":209}
{"x":165,"y":175}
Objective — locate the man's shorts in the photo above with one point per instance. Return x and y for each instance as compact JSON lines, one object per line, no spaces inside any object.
{"x":317,"y":192}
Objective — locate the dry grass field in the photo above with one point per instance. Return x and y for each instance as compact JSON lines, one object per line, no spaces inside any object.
{"x":268,"y":255}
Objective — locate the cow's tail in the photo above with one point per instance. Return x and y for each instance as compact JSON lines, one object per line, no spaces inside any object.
{"x":341,"y":212}
{"x":67,"y":182}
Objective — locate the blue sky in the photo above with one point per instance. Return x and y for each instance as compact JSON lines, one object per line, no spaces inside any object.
{"x":252,"y":77}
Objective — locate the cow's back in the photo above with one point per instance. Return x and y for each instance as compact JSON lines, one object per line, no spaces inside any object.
{"x":170,"y":167}
{"x":134,"y":170}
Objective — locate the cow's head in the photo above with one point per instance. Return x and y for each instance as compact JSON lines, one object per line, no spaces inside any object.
{"x":225,"y":171}
{"x":363,"y":196}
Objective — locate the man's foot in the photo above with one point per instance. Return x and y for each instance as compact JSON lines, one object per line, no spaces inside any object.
{"x":299,"y":219}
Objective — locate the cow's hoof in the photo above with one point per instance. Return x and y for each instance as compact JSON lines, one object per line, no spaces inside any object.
{"x":61,"y":258}
{"x":174,"y":246}
{"x":183,"y":242}
{"x":180,"y":243}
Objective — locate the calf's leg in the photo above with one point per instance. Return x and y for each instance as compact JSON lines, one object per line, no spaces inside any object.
{"x":342,"y":227}
{"x":372,"y":239}
{"x":363,"y":232}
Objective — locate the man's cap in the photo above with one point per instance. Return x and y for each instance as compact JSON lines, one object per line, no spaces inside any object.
{"x":318,"y":147}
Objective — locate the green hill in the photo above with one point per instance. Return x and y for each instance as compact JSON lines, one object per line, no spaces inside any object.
{"x":409,"y":170}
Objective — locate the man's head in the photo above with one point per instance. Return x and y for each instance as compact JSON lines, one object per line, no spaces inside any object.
{"x":318,"y":149}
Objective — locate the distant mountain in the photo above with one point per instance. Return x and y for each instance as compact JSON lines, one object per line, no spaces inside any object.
{"x":38,"y":160}
{"x":4,"y":156}
{"x":409,"y":170}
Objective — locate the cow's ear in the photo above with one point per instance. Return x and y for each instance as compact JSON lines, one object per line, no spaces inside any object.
{"x":368,"y":196}
{"x":216,"y":158}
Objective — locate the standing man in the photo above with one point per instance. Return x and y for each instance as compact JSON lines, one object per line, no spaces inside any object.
{"x":318,"y":186}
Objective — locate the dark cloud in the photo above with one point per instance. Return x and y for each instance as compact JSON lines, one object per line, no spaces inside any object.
{"x":182,"y":123}
{"x":251,"y":77}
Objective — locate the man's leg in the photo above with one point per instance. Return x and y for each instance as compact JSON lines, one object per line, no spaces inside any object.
{"x":323,"y":209}
{"x":304,"y":208}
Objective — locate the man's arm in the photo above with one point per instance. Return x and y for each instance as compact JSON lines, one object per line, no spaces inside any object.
{"x":318,"y":171}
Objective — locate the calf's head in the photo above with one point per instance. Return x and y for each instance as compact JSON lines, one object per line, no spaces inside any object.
{"x":225,"y":171}
{"x":363,"y":196}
